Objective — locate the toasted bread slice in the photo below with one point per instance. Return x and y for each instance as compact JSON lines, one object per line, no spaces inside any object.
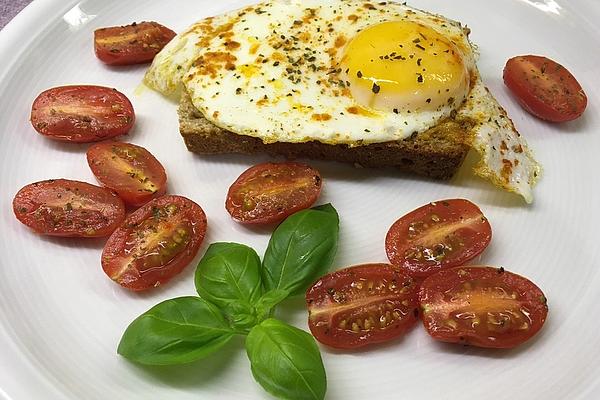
{"x":436,"y":153}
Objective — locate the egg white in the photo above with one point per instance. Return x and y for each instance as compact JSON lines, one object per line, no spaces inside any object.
{"x":296,"y":100}
{"x":240,"y":78}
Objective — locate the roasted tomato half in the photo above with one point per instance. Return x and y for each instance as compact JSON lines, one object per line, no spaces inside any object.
{"x":269,"y":192}
{"x":155,"y":243}
{"x":131,"y":44}
{"x":82,"y":113}
{"x":130,"y":170}
{"x":61,"y":207}
{"x":545,"y":88}
{"x":361,"y":305}
{"x":439,"y":235}
{"x":482,"y":306}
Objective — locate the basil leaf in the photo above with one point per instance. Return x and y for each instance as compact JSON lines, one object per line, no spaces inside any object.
{"x":301,"y":250}
{"x":229,"y":273}
{"x":175,"y":331}
{"x":286,"y":361}
{"x":268,"y":301}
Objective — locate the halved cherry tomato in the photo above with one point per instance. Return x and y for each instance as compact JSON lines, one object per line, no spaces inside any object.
{"x":61,"y":207}
{"x":270,"y":192}
{"x":545,"y":88}
{"x":439,"y":235}
{"x":361,"y":305}
{"x":129,"y":170}
{"x":82,"y":113}
{"x":155,"y":243}
{"x":482,"y":306}
{"x":131,"y":44}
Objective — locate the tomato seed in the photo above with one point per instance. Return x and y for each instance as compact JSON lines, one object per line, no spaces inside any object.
{"x":524,"y":326}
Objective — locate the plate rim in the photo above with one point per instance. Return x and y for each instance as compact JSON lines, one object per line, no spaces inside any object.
{"x":41,"y":14}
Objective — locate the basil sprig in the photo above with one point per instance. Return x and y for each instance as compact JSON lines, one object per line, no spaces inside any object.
{"x":238,"y":296}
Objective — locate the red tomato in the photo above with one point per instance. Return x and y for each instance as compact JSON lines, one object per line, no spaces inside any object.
{"x":270,"y":192}
{"x":61,"y":207}
{"x":129,"y":170}
{"x":437,"y":236}
{"x":155,"y":243}
{"x":131,"y":44}
{"x":545,"y":88}
{"x":82,"y":113}
{"x":482,"y":306}
{"x":361,"y":305}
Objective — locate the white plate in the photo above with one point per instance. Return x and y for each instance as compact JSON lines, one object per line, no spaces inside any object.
{"x":61,"y":318}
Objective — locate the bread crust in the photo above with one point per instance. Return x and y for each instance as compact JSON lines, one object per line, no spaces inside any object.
{"x":436,"y":153}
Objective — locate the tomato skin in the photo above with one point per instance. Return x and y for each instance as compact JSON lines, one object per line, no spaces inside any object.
{"x":66,"y":208}
{"x":545,"y":88}
{"x":436,"y":236}
{"x":131,"y":44}
{"x":269,"y":192}
{"x":155,"y":243}
{"x":362,"y":305}
{"x":82,"y":113}
{"x":130,"y":170}
{"x":482,"y":306}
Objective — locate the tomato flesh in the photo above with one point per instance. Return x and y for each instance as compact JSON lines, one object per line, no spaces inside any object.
{"x":362,"y":305}
{"x":482,"y":306}
{"x":545,"y":88}
{"x":82,"y":113}
{"x":437,"y":236}
{"x":131,"y":44}
{"x":155,"y":243}
{"x":130,"y":170}
{"x":61,"y":207}
{"x":269,"y":192}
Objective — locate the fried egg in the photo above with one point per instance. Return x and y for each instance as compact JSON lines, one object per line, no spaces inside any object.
{"x":342,"y":72}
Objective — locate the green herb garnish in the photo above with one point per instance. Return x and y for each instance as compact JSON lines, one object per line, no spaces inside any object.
{"x":238,"y":296}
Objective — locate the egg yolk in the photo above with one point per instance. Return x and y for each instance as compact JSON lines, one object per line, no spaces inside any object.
{"x":404,"y":66}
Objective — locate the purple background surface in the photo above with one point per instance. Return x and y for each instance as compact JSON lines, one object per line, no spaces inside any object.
{"x":10,"y":8}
